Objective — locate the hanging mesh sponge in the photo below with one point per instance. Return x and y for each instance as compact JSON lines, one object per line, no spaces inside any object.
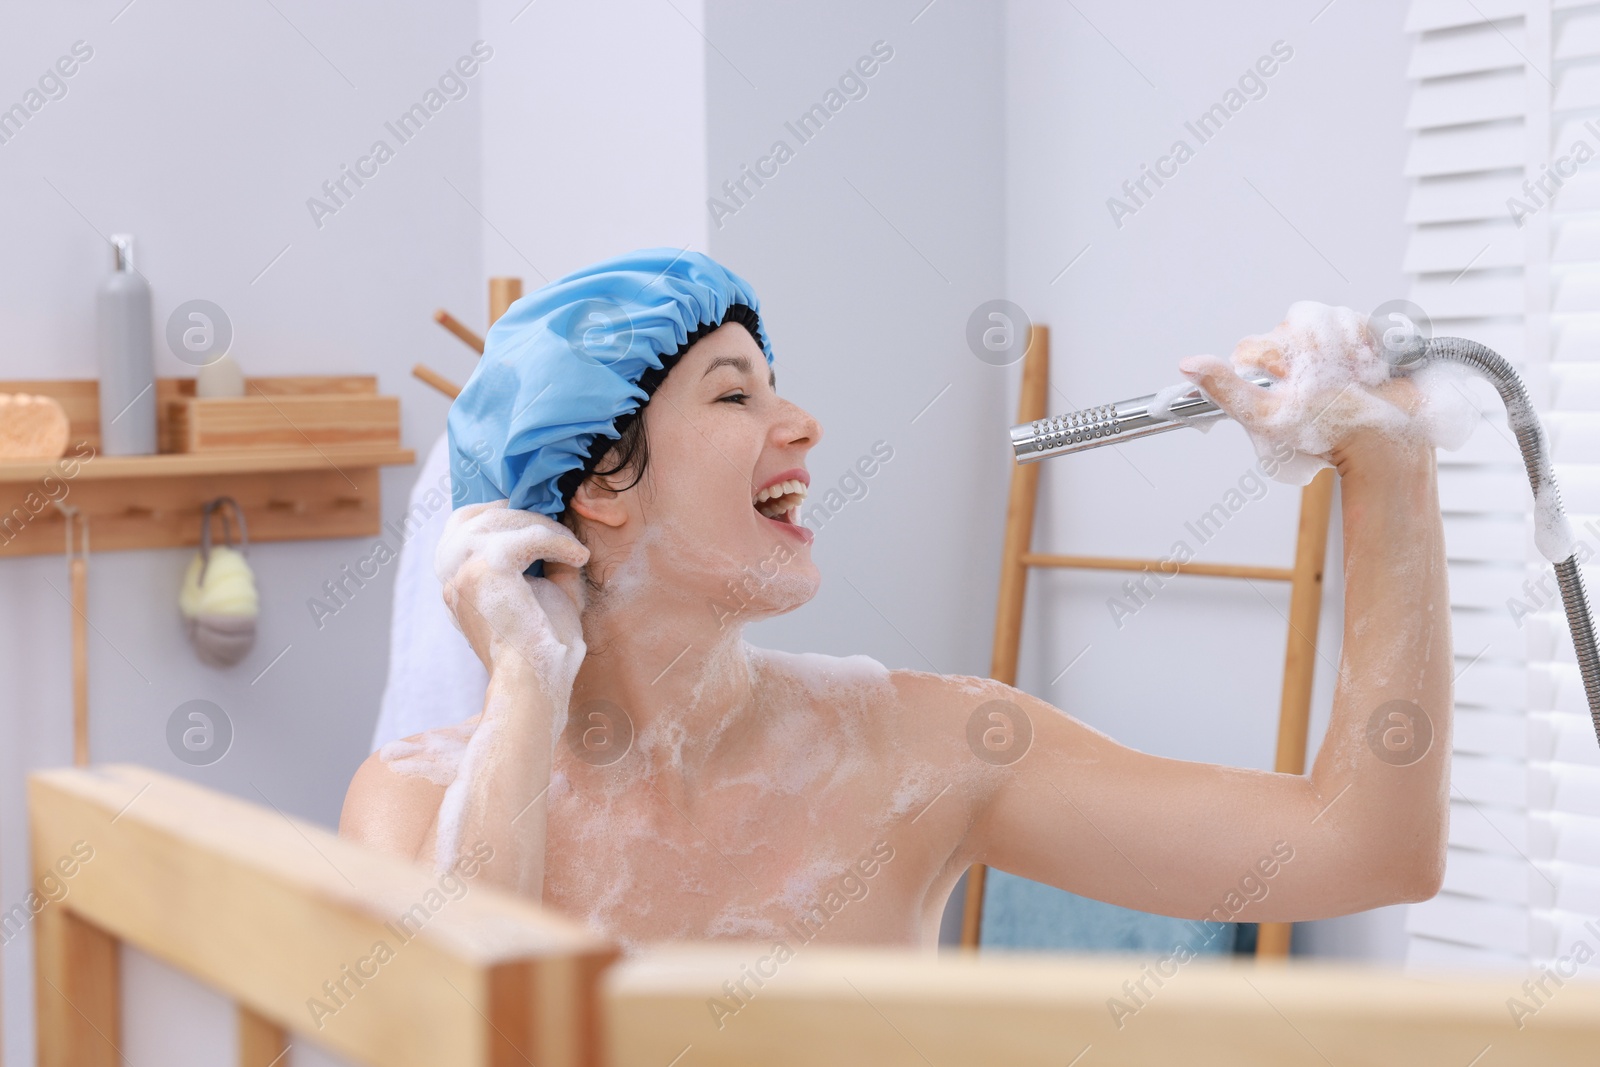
{"x":218,"y":599}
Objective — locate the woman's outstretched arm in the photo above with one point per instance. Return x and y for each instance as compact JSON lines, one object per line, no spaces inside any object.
{"x":1367,"y":826}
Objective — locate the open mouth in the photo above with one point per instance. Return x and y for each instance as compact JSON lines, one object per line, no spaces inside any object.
{"x":781,"y":500}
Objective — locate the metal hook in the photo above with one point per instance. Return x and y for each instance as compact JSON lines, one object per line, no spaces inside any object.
{"x":219,"y":506}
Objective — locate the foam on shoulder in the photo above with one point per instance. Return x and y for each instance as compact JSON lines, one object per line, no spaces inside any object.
{"x":822,"y":672}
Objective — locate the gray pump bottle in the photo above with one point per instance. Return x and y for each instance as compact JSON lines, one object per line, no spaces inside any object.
{"x":127,"y":362}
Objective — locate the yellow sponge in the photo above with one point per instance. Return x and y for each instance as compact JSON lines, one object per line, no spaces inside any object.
{"x":229,"y":589}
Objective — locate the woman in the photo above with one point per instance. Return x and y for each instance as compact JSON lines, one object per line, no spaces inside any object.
{"x":625,"y":430}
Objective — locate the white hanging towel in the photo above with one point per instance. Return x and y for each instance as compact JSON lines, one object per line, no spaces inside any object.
{"x":435,"y":679}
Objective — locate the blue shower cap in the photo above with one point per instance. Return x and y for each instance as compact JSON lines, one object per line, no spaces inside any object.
{"x":563,"y":364}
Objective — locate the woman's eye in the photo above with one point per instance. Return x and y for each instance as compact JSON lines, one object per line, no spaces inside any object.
{"x":737,"y":398}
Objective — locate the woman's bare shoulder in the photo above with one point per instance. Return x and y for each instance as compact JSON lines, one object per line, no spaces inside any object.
{"x":854,"y":693}
{"x":918,"y":691}
{"x":395,"y":794}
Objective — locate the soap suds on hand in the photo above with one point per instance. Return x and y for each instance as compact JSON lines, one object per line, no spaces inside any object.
{"x":1328,"y":371}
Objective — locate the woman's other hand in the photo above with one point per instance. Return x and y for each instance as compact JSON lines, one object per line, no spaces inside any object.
{"x":481,"y":558}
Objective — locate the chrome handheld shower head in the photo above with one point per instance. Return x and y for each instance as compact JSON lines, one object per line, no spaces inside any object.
{"x":1109,"y":424}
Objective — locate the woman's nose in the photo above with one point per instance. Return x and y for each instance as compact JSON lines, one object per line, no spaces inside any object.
{"x":795,"y":426}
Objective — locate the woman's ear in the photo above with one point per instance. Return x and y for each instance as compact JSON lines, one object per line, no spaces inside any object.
{"x":595,"y":502}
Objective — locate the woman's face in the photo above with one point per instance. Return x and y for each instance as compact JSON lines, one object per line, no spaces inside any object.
{"x":709,"y":513}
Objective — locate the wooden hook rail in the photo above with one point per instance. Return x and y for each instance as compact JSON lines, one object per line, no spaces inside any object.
{"x":503,"y":292}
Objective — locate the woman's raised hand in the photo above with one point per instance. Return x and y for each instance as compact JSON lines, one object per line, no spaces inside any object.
{"x":481,"y":556}
{"x":1334,"y":393}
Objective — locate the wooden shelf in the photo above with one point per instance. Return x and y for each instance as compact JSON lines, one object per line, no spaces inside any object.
{"x":133,"y":502}
{"x":173,"y":464}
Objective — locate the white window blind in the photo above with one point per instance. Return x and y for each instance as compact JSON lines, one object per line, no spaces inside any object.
{"x":1564,"y":759}
{"x":1501,"y":94}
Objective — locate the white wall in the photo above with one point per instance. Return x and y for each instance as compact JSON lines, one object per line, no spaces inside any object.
{"x":1298,"y":196}
{"x":869,"y":249}
{"x":594,"y":133}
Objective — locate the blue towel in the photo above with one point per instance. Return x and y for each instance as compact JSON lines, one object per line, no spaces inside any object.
{"x":1023,"y":914}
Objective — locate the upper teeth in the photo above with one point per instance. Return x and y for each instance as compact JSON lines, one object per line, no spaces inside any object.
{"x":781,"y":489}
{"x":772,"y":492}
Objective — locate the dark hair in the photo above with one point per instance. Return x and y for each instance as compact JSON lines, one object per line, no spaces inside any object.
{"x":631,"y":449}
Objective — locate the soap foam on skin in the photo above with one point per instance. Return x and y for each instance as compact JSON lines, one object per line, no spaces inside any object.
{"x":663,"y":554}
{"x":810,"y":752}
{"x":434,"y":755}
{"x":810,"y":776}
{"x":1328,"y":368}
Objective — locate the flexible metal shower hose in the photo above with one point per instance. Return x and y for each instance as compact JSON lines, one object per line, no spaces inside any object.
{"x":1524,"y":422}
